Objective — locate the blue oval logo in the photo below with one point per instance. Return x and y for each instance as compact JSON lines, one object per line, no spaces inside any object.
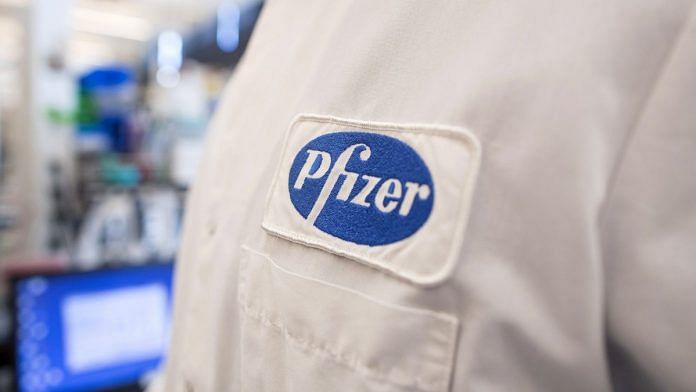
{"x":365,"y":188}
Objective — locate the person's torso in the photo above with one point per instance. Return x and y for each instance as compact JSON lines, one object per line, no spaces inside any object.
{"x":490,"y":290}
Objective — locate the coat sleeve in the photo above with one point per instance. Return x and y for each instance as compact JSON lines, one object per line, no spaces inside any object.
{"x":648,"y":230}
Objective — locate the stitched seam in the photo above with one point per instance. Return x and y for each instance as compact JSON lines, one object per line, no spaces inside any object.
{"x":320,"y":244}
{"x":425,"y":129}
{"x":421,"y":312}
{"x":635,"y":124}
{"x":305,"y":240}
{"x":348,"y":361}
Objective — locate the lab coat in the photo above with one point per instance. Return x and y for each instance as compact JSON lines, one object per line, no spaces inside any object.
{"x":571,"y":266}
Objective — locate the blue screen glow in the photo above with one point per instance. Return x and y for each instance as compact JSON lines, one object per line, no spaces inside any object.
{"x":91,"y":330}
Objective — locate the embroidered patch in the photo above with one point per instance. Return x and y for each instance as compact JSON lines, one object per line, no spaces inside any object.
{"x":364,"y":188}
{"x":395,"y":197}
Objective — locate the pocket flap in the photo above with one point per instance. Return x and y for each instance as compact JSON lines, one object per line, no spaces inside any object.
{"x":400,"y":345}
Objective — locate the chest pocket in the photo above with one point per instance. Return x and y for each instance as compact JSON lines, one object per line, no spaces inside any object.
{"x":304,"y":334}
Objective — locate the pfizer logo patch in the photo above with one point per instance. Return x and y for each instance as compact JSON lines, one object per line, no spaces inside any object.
{"x":364,"y":188}
{"x":395,"y":197}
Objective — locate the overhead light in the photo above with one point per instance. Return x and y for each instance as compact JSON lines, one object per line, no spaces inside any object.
{"x":227,"y":35}
{"x":169,"y":49}
{"x":170,"y":56}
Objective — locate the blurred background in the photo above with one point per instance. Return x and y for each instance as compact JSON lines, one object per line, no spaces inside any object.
{"x":103,"y":108}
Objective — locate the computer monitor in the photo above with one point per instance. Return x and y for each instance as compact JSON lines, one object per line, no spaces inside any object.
{"x":91,"y":331}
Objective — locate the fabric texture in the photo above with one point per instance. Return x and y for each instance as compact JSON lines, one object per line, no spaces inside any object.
{"x":576,"y":270}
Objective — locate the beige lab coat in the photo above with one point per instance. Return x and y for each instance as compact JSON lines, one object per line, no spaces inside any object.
{"x":575,"y":269}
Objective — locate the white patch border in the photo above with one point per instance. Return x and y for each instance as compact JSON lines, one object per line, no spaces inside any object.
{"x":455,"y":132}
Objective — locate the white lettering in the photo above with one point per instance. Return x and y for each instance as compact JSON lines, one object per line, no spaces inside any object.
{"x":389,"y":194}
{"x":413,"y":189}
{"x":390,"y":189}
{"x":309,"y":163}
{"x":338,"y":169}
{"x":347,"y":186}
{"x":361,"y":198}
